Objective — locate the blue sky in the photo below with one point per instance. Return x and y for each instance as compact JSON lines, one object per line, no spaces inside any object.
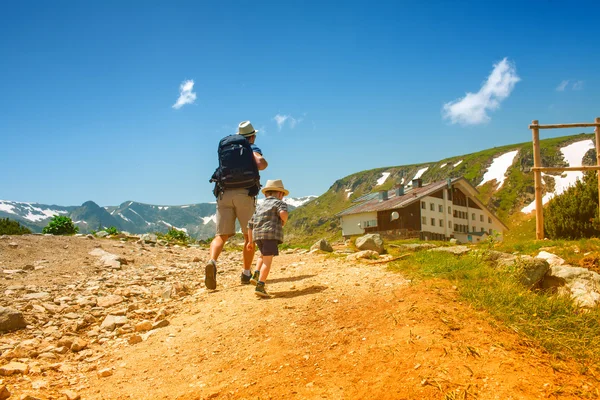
{"x":87,"y":89}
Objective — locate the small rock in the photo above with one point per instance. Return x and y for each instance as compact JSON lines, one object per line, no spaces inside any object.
{"x":322,"y":245}
{"x":143,"y":326}
{"x":78,"y":345}
{"x":108,"y":301}
{"x":71,"y":395}
{"x":4,"y":393}
{"x":370,"y":241}
{"x":13,"y":245}
{"x":160,"y":324}
{"x":134,"y":339}
{"x":103,"y":373}
{"x":14,"y":367}
{"x":369,"y":254}
{"x":11,"y":320}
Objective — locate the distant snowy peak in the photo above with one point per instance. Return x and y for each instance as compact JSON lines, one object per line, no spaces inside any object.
{"x":294,"y":201}
{"x":33,"y":212}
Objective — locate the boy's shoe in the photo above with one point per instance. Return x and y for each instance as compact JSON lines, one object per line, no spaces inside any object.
{"x":254,"y":279}
{"x":245,"y":279}
{"x":261,"y":291}
{"x":210,"y":278}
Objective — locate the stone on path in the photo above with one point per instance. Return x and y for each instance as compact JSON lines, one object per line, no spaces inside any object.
{"x":11,"y":320}
{"x":368,"y":254}
{"x":322,"y":245}
{"x":14,"y":368}
{"x":370,"y":241}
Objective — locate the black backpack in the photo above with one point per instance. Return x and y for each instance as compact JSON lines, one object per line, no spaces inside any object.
{"x":237,"y":167}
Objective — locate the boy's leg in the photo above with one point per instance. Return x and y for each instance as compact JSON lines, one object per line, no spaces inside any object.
{"x":256,"y":275}
{"x":266,"y":267}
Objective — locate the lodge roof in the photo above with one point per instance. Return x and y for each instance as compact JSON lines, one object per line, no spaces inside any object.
{"x":372,"y":202}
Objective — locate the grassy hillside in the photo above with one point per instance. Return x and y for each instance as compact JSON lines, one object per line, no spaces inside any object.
{"x":316,"y":219}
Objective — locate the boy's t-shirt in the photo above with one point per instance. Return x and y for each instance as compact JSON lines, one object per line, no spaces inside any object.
{"x":265,"y":223}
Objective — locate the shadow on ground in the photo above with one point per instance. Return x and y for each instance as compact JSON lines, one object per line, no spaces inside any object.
{"x":297,"y":293}
{"x":290,"y":279}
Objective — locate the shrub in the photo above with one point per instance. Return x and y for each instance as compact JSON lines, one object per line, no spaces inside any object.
{"x":112,"y":230}
{"x":61,"y":225}
{"x":574,"y":214}
{"x":177,"y":235}
{"x":10,"y":227}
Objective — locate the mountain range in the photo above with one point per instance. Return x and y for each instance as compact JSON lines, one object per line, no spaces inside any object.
{"x":502,"y":176}
{"x":197,"y":220}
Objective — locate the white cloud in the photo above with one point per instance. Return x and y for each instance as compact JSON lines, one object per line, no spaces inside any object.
{"x":474,"y":107}
{"x":186,"y":96}
{"x":578,"y":85}
{"x":281,"y":120}
{"x":562,"y":86}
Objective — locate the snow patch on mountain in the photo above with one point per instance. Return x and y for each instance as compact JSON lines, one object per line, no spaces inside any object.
{"x":458,"y":163}
{"x":573,"y":155}
{"x":420,"y":172}
{"x":384,"y":176}
{"x":212,"y":218}
{"x":499,"y":167}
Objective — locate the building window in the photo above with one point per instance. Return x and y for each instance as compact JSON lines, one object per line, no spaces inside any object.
{"x":441,"y":208}
{"x":474,"y":230}
{"x":432,"y":221}
{"x":481,"y":218}
{"x":449,"y":210}
{"x":482,"y":230}
{"x":423,"y":206}
{"x":450,"y":224}
{"x":473,"y":216}
{"x":441,"y":223}
{"x":489,"y":220}
{"x":490,"y":231}
{"x":432,"y":206}
{"x":455,"y":227}
{"x":424,"y":220}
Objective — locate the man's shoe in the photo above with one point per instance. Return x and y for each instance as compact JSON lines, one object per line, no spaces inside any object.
{"x":261,"y":291}
{"x":254,"y":279}
{"x":210,"y":278}
{"x":245,"y":279}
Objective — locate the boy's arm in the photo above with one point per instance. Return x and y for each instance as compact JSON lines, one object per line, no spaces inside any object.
{"x":284,"y":217}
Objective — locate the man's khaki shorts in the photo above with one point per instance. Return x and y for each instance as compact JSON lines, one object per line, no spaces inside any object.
{"x":234,"y":203}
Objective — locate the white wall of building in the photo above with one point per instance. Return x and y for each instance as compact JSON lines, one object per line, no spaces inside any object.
{"x":350,"y":223}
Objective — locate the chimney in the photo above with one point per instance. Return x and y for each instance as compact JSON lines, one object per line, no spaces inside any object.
{"x":400,"y":190}
{"x":383,"y":195}
{"x":417,"y":183}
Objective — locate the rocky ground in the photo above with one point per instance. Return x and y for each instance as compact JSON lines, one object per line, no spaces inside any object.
{"x":110,"y":319}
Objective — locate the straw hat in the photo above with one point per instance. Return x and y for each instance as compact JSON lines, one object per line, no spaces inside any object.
{"x":275,"y":185}
{"x":246,"y":129}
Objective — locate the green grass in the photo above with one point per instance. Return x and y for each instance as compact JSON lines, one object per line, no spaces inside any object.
{"x":551,"y":321}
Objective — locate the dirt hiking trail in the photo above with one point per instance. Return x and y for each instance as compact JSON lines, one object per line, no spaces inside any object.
{"x":335,"y":329}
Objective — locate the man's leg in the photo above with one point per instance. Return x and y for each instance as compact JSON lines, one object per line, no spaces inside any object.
{"x":248,"y":255}
{"x":216,"y":246}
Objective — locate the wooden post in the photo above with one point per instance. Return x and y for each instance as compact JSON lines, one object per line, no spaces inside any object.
{"x":537,"y":179}
{"x":597,"y":132}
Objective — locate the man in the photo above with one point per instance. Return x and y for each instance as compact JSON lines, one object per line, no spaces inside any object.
{"x":234,"y":203}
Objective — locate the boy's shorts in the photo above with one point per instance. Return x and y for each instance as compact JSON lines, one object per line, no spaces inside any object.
{"x":234,"y":203}
{"x":268,"y":247}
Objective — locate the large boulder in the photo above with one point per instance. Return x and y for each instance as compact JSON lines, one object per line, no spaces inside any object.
{"x":370,"y":241}
{"x":11,"y":320}
{"x":322,"y":245}
{"x":582,"y":284}
{"x":532,"y":270}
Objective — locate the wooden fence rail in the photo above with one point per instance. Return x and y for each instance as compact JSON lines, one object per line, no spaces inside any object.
{"x":538,"y":168}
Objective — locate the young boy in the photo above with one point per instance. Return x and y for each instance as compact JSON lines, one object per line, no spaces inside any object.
{"x":265,"y":228}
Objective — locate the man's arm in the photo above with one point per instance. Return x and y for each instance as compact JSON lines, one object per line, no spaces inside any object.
{"x":261,"y":163}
